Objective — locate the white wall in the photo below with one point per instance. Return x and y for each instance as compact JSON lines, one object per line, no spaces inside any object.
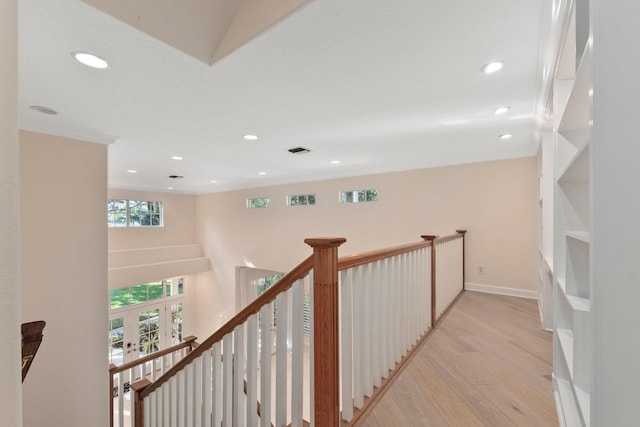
{"x":615,"y":242}
{"x":495,"y":201}
{"x":10,"y":388}
{"x":64,"y":279}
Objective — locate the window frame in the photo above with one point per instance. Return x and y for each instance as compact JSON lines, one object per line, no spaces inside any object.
{"x":115,"y":213}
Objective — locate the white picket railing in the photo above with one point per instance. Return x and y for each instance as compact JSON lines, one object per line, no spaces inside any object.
{"x":152,"y":367}
{"x":385,"y":308}
{"x":369,"y":311}
{"x":449,"y":272}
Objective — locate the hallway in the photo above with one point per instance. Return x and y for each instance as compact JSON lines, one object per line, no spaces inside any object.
{"x":488,"y":363}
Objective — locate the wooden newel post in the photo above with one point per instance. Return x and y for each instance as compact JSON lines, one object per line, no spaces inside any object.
{"x":325,"y":330}
{"x":432,"y":239}
{"x":138,"y":404}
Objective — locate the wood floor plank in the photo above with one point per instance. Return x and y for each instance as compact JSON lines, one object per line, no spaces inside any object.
{"x":487,"y":364}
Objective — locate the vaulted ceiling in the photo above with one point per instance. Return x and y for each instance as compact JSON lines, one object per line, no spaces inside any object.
{"x":367,"y":86}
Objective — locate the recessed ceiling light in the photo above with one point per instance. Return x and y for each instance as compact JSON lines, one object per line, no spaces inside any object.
{"x":502,"y":110}
{"x":169,"y":188}
{"x":90,"y":60}
{"x":250,"y":137}
{"x":132,"y":171}
{"x":44,"y":110}
{"x":506,"y":136}
{"x":492,"y":67}
{"x":262,"y":173}
{"x":213,"y":181}
{"x":335,"y":162}
{"x":177,"y":158}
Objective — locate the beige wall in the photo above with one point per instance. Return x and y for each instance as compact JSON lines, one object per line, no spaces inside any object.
{"x":64,"y":279}
{"x":495,"y":201}
{"x":10,"y":387}
{"x":179,"y":222}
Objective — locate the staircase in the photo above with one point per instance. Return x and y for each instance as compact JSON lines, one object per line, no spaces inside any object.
{"x":370,"y":311}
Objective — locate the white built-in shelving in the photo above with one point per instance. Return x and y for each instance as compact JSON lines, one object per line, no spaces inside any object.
{"x":588,"y":169}
{"x":572,"y":221}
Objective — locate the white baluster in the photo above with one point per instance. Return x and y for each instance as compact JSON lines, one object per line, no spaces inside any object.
{"x":189,"y":394}
{"x":150,"y":410}
{"x":166,"y":404}
{"x":311,"y":354}
{"x":358,"y":392}
{"x":227,"y":380}
{"x":216,"y":381}
{"x":239,"y":411}
{"x":173,"y":386}
{"x":120,"y":388}
{"x":297,"y":353}
{"x":281,"y":359}
{"x":375,"y":325}
{"x":182,"y":398}
{"x":252,"y":370}
{"x":198,"y":379}
{"x":207,"y":384}
{"x":266,"y":323}
{"x":366,"y":331}
{"x":346,"y":360}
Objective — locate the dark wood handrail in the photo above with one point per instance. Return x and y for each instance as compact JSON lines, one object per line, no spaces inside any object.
{"x":187,"y":342}
{"x":269,"y":295}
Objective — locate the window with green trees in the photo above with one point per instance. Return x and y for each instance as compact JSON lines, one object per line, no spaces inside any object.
{"x":134,"y":213}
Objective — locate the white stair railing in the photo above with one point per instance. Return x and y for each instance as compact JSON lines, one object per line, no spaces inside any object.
{"x":251,"y":372}
{"x":449,"y":271}
{"x":385,"y":308}
{"x":370,"y":312}
{"x":151,"y":366}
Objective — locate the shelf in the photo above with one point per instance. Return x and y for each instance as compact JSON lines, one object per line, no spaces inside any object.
{"x":577,"y":169}
{"x":575,"y":403}
{"x":581,"y":236}
{"x":565,"y":337}
{"x":576,"y":113}
{"x":584,"y":400}
{"x":576,"y":303}
{"x":549,"y":261}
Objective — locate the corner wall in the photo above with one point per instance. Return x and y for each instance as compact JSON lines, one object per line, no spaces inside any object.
{"x":495,"y":201}
{"x":64,"y":279}
{"x":10,"y":387}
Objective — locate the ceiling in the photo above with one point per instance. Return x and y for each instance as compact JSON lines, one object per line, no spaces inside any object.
{"x":378,"y":86}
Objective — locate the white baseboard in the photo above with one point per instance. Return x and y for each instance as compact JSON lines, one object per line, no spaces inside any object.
{"x":521,"y":293}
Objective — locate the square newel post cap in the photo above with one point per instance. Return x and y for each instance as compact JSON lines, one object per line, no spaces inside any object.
{"x":429,"y":237}
{"x":327,"y":242}
{"x":461,"y":231}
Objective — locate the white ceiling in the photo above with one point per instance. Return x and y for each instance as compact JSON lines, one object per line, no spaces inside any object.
{"x":378,"y":85}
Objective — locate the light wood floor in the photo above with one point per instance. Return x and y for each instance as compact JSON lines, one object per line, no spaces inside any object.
{"x":488,"y":363}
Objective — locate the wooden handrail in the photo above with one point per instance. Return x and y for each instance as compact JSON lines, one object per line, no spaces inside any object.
{"x":459,"y":235}
{"x":350,"y":261}
{"x":187,"y":342}
{"x":326,"y":265}
{"x":269,"y":295}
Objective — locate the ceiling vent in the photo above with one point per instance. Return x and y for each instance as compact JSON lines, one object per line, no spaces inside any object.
{"x":299,"y":150}
{"x":176,"y":176}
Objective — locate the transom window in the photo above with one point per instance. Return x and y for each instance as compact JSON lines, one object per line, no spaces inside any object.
{"x":259,"y":202}
{"x":145,"y":292}
{"x":301,"y":199}
{"x":357,"y":196}
{"x":134,"y":213}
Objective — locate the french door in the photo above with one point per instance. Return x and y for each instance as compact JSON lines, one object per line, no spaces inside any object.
{"x":141,"y":330}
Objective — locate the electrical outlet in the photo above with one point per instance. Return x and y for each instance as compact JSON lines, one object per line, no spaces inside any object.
{"x":480,"y":269}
